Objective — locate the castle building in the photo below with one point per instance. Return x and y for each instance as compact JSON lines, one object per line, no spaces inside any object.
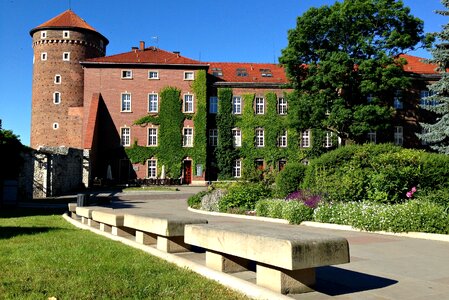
{"x":149,"y":113}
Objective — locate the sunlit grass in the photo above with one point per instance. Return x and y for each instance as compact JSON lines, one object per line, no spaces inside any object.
{"x":44,"y":256}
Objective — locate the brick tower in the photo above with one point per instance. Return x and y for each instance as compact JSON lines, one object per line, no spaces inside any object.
{"x":58,"y":79}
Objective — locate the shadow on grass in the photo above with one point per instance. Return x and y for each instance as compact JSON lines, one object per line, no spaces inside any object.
{"x":335,"y":281}
{"x":28,"y":212}
{"x":7,"y":232}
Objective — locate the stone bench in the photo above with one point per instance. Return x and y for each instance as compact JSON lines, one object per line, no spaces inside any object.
{"x":112,"y":221}
{"x":164,"y":230}
{"x":286,"y":257}
{"x":72,"y":210}
{"x":86,"y":214}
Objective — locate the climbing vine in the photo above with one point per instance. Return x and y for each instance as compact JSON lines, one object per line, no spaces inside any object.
{"x":198,"y":152}
{"x":225,"y":152}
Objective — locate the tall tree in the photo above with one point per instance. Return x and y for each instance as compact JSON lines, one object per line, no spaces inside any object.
{"x":340,"y":56}
{"x":437,"y":134}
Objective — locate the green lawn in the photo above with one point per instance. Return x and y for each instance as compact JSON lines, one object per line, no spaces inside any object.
{"x":43,"y":256}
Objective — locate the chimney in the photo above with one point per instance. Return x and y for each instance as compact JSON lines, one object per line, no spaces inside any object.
{"x":142,"y":45}
{"x":134,"y":49}
{"x":178,"y":54}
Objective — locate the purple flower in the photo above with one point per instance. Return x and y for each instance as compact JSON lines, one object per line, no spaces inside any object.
{"x":409,"y":194}
{"x":413,"y":189}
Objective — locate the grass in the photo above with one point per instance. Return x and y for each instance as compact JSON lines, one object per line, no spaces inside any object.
{"x":43,"y":256}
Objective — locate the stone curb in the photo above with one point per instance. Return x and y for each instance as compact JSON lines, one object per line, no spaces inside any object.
{"x":416,"y":235}
{"x":244,"y":287}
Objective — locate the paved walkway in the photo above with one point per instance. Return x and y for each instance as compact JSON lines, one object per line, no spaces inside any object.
{"x":381,"y":267}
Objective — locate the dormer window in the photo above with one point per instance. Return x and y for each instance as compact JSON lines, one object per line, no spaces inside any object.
{"x":43,"y":34}
{"x":127,"y":74}
{"x":217,"y":72}
{"x":265,"y":73}
{"x":241,"y":72}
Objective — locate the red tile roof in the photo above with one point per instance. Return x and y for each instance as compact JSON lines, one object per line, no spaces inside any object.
{"x":256,"y":72}
{"x":416,"y":65}
{"x":151,"y":55}
{"x":67,"y":19}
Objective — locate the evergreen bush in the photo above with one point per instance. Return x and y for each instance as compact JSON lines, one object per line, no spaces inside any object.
{"x":289,"y":179}
{"x":244,"y":195}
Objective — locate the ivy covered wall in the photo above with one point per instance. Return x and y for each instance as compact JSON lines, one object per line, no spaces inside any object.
{"x":170,"y":121}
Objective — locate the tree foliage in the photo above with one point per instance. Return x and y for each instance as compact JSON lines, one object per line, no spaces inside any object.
{"x":338,"y":55}
{"x":10,"y":148}
{"x":437,"y":134}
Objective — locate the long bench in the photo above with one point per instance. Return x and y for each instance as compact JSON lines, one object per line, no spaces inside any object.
{"x":285,"y":257}
{"x":112,"y":221}
{"x":164,"y":230}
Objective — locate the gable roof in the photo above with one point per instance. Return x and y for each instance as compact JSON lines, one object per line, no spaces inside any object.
{"x":416,"y":65}
{"x":248,"y":72}
{"x":151,"y":55}
{"x":67,"y":19}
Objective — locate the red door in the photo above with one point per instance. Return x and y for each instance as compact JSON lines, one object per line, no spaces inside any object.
{"x":187,"y":172}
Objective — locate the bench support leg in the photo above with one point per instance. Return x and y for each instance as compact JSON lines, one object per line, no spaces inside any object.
{"x":225,"y":263}
{"x":145,"y":238}
{"x":93,"y":223}
{"x":105,"y":227}
{"x":122,"y":231}
{"x":84,"y":220}
{"x":173,"y":244}
{"x":285,"y":281}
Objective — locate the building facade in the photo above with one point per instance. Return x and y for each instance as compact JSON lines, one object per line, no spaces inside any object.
{"x":150,"y":113}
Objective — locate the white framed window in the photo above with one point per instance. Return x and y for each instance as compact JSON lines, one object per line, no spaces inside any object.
{"x":55,"y":126}
{"x":66,"y":34}
{"x":236,"y":105}
{"x":426,"y":102}
{"x":260,"y":137}
{"x":43,"y":34}
{"x":328,"y":139}
{"x":260,"y":106}
{"x":153,"y":74}
{"x":56,"y":97}
{"x":282,"y":140}
{"x":237,"y":137}
{"x":57,"y":79}
{"x":188,"y":103}
{"x":153,"y":103}
{"x":44,"y":56}
{"x":152,"y":168}
{"x":66,"y":56}
{"x":126,"y":102}
{"x":370,"y":98}
{"x":213,"y":137}
{"x":213,"y":105}
{"x":241,"y":72}
{"x":282,"y":106}
{"x":372,"y":137}
{"x":397,"y":100}
{"x":152,"y":137}
{"x":398,"y":135}
{"x":187,"y":137}
{"x":305,"y":139}
{"x":127,"y":74}
{"x":189,"y":75}
{"x":237,"y":168}
{"x":125,"y":136}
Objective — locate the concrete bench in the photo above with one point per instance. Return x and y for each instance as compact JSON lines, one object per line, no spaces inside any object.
{"x":285,"y":257}
{"x":112,"y":221}
{"x":86,"y":214}
{"x":164,"y":230}
{"x":72,"y":210}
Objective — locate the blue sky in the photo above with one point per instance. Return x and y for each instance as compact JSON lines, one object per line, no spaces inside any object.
{"x":207,"y":30}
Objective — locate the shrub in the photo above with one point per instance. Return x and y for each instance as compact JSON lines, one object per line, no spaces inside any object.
{"x":414,"y":215}
{"x":306,"y":197}
{"x":440,"y":196}
{"x":275,"y":208}
{"x":243,"y":195}
{"x":262,"y":207}
{"x":195,"y":200}
{"x":289,"y":179}
{"x":296,"y":212}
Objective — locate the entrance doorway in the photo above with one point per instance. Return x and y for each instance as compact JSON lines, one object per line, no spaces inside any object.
{"x":187,"y":171}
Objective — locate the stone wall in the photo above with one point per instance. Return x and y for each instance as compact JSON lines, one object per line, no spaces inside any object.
{"x":53,"y":171}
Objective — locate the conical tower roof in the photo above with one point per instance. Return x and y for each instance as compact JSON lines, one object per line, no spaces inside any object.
{"x":67,"y":20}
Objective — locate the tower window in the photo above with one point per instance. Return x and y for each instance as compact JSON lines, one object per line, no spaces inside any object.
{"x":44,"y":56}
{"x":57,"y":79}
{"x":55,"y":126}
{"x":66,"y":34}
{"x":56,"y":97}
{"x":43,"y":34}
{"x":66,"y":56}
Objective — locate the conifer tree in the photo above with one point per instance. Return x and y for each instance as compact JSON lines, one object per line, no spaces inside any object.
{"x":437,"y":134}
